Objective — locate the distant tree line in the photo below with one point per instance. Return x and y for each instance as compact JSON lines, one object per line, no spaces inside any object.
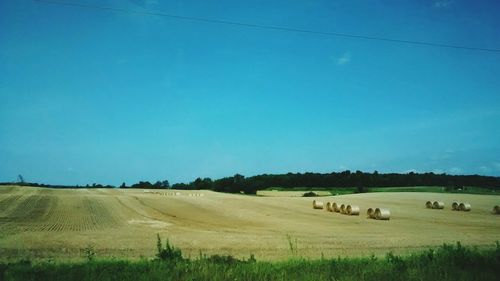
{"x":148,"y":185}
{"x":35,"y":184}
{"x":142,"y":184}
{"x":361,"y":180}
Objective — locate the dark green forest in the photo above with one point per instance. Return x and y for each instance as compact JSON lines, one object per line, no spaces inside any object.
{"x":361,"y":180}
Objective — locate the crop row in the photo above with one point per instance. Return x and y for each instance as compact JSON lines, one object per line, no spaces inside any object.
{"x":54,"y":214}
{"x":83,"y":214}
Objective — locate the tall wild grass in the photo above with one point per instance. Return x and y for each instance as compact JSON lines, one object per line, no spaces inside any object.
{"x":448,"y":262}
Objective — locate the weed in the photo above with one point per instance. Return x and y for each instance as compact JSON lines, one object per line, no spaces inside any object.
{"x":89,"y":252}
{"x":292,"y":244}
{"x":169,"y":253}
{"x":445,"y":263}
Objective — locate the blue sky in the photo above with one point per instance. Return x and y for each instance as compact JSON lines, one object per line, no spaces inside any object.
{"x":99,"y":96}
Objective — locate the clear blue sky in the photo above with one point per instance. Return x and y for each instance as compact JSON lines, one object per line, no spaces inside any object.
{"x":100,"y":96}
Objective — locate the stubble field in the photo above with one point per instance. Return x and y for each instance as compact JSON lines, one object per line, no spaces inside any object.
{"x":56,"y":223}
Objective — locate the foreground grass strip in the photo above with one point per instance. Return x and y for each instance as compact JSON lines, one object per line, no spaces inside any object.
{"x":445,"y":263}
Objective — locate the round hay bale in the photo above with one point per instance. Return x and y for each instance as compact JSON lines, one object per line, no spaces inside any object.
{"x":438,"y":205}
{"x":382,"y":214}
{"x":352,"y":210}
{"x":428,"y":204}
{"x":342,"y":208}
{"x":370,"y":213}
{"x":317,"y":205}
{"x":454,"y":206}
{"x":335,"y":207}
{"x":464,"y":207}
{"x":329,"y":207}
{"x":496,"y":210}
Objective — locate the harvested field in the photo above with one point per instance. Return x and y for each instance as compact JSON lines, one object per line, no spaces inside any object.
{"x":57,"y":223}
{"x":276,"y":193}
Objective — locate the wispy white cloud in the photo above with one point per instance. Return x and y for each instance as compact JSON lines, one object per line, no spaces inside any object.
{"x":345,"y":58}
{"x":442,"y":3}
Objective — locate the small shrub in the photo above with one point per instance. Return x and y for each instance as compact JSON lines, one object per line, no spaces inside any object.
{"x":310,"y":194}
{"x":89,"y":252}
{"x":169,"y":253}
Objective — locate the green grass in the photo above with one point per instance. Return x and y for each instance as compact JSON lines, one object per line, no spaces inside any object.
{"x":351,"y":190}
{"x":342,"y":191}
{"x":332,"y":190}
{"x":445,"y":263}
{"x":437,"y":189}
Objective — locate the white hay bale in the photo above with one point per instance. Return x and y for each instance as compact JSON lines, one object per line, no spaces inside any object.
{"x":496,"y":210}
{"x":438,"y":205}
{"x":382,"y":214}
{"x":335,"y":207}
{"x":428,"y":204}
{"x":342,"y":208}
{"x":370,"y":213}
{"x":464,"y":207}
{"x":317,"y":205}
{"x":454,"y":206}
{"x":352,"y":210}
{"x":329,"y":207}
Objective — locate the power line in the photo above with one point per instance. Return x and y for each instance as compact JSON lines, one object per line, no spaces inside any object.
{"x":269,"y":27}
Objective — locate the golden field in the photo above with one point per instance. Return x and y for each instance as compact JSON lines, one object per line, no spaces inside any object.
{"x":58,"y":223}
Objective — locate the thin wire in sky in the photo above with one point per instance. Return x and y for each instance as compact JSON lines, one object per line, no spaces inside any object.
{"x":269,"y":27}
